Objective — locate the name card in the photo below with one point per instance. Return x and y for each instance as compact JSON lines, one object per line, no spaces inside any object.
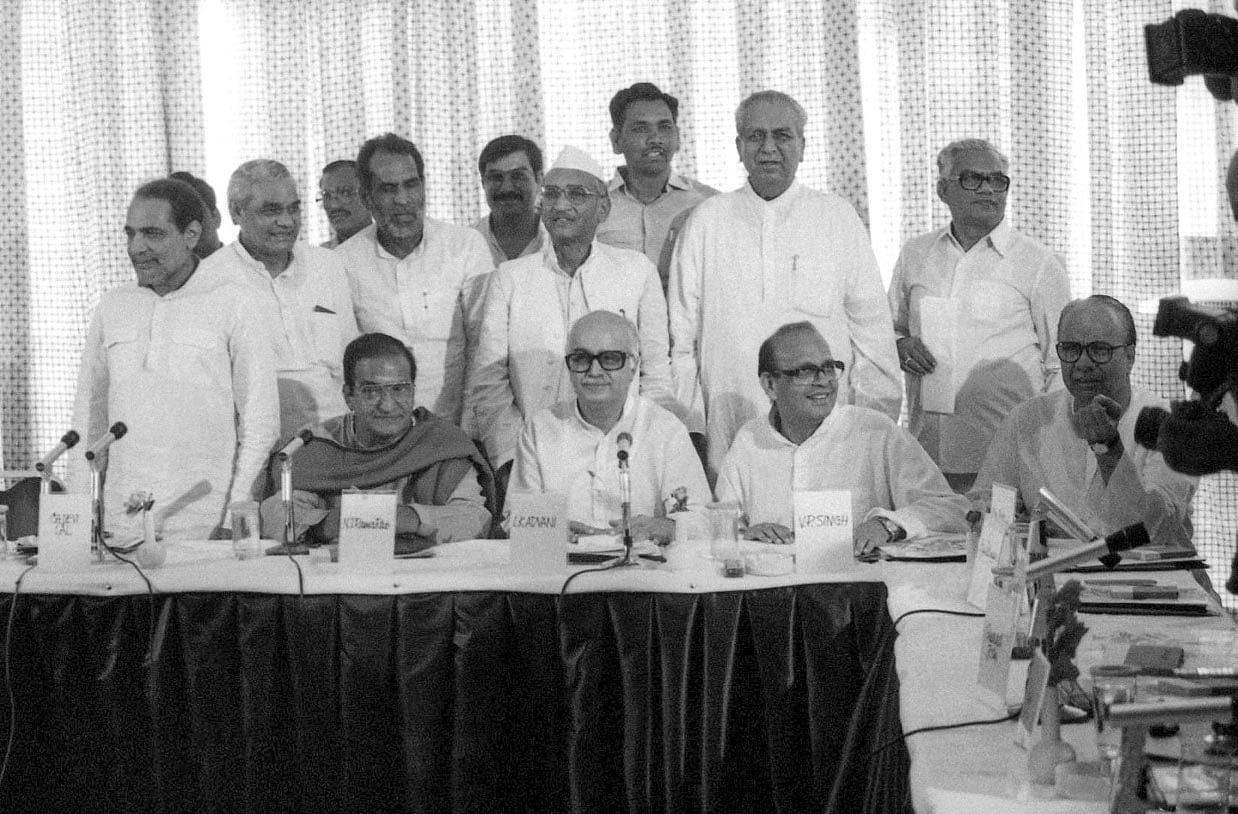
{"x":989,"y":546}
{"x":538,"y":530}
{"x":64,"y":531}
{"x":1000,"y":615}
{"x":367,"y":528}
{"x":1033,"y":699}
{"x":823,"y":526}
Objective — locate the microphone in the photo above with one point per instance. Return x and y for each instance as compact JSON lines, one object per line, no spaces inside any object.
{"x":624,"y":442}
{"x":115,"y":433}
{"x":299,"y":440}
{"x":67,"y":442}
{"x":1106,"y":550}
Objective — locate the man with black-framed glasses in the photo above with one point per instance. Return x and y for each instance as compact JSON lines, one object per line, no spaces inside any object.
{"x":808,"y":442}
{"x":573,"y":446}
{"x":1000,"y":290}
{"x":531,"y":303}
{"x":1080,"y":442}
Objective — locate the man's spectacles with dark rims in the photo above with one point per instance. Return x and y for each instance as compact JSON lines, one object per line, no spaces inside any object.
{"x":576,"y":195}
{"x":971,"y":181}
{"x":808,"y":374}
{"x":579,"y":361}
{"x":1098,"y":352}
{"x":373,"y":393}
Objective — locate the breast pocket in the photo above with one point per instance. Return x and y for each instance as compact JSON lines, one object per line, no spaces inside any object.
{"x":123,"y":349}
{"x":198,"y":357}
{"x":438,"y":313}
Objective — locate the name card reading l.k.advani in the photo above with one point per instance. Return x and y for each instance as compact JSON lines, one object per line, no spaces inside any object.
{"x":538,"y":529}
{"x":64,"y":531}
{"x":367,"y":528}
{"x":823,"y":525}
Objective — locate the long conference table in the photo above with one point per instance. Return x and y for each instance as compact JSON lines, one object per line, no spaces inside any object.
{"x":455,"y":683}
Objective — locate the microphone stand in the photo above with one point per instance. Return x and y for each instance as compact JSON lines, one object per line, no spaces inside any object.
{"x":625,"y":493}
{"x":97,"y":546}
{"x":290,"y":546}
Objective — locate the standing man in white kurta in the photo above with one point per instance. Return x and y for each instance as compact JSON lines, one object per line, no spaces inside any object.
{"x":1004,"y":292}
{"x":184,"y":359}
{"x":413,"y":277}
{"x":764,"y":255}
{"x":301,"y":292}
{"x":533,"y":301}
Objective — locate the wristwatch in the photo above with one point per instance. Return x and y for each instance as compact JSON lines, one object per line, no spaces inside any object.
{"x":1105,"y":447}
{"x":893,"y":529}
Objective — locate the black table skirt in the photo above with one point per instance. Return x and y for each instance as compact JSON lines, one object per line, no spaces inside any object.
{"x":763,"y":701}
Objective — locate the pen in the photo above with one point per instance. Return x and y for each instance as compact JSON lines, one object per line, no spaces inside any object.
{"x":1138,"y":592}
{"x":1103,"y":582}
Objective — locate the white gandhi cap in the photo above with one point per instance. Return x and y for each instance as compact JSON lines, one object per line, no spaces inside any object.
{"x":574,"y":158}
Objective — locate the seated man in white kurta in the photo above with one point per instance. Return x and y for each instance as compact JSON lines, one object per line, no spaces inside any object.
{"x":533,"y":301}
{"x":810,"y":443}
{"x":573,"y":446}
{"x":1080,"y":442}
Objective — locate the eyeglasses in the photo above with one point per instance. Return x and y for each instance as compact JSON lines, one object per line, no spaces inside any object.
{"x":576,"y":195}
{"x":343,"y":195}
{"x":580,"y":361}
{"x":274,"y":210}
{"x":496,"y":178}
{"x":373,"y":393}
{"x":807,"y":374}
{"x":1098,"y":352}
{"x":971,"y":181}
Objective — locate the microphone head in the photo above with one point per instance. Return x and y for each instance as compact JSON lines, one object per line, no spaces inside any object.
{"x":306,"y":435}
{"x":118,"y":430}
{"x":1131,"y":536}
{"x":70,"y":439}
{"x":624,"y":441}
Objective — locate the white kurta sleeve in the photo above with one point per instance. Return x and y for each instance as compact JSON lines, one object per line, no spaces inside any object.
{"x":897,"y":298}
{"x":491,"y":402}
{"x":875,"y":379}
{"x":684,"y":311}
{"x":527,"y":470}
{"x":462,"y":517}
{"x":657,"y":382}
{"x":256,"y":396}
{"x":683,"y":469}
{"x":465,"y":325}
{"x":90,"y":405}
{"x":924,"y":503}
{"x":1152,"y":493}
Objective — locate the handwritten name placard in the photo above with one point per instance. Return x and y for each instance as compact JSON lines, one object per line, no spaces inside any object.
{"x":367,"y":529}
{"x":538,"y":530}
{"x":823,"y":523}
{"x":989,"y":547}
{"x":64,"y":532}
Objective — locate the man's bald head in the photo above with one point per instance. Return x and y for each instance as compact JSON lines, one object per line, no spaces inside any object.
{"x":604,"y":327}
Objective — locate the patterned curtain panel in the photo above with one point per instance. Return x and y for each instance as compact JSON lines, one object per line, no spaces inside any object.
{"x":1123,"y":178}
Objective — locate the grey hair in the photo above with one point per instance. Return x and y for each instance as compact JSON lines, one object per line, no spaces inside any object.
{"x":951,"y":152}
{"x":241,"y":184}
{"x":775,"y":97}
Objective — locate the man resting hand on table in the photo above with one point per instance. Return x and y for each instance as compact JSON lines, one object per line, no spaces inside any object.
{"x":808,"y":443}
{"x":440,"y":479}
{"x":573,"y":446}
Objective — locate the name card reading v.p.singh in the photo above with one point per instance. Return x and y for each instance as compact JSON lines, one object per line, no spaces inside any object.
{"x":823,"y":525}
{"x":367,"y":528}
{"x":64,"y":532}
{"x":538,"y":531}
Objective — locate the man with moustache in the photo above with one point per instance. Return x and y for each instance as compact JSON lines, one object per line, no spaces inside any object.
{"x":301,"y":291}
{"x":413,"y":277}
{"x":572,"y":447}
{"x":511,"y":172}
{"x":1005,"y":290}
{"x":809,"y":442}
{"x":382,"y":440}
{"x":339,"y":192}
{"x":184,"y":359}
{"x":532,"y":302}
{"x":769,"y":253}
{"x":1080,"y":442}
{"x":649,"y":201}
{"x":209,"y":243}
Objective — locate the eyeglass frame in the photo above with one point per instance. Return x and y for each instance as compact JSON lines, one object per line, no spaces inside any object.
{"x":344,"y":195}
{"x":359,"y":391}
{"x":1088,"y":348}
{"x":552,"y":194}
{"x":567,"y":360}
{"x":991,"y":177}
{"x":832,"y":369}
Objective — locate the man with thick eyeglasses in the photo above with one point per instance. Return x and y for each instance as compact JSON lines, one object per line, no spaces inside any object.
{"x":533,"y":301}
{"x":1002,"y":292}
{"x":772,"y":252}
{"x":1080,"y":442}
{"x":809,"y":442}
{"x":301,"y":291}
{"x":413,"y":277}
{"x":443,"y":484}
{"x":572,"y":447}
{"x":649,"y":201}
{"x":339,"y":193}
{"x":511,"y":173}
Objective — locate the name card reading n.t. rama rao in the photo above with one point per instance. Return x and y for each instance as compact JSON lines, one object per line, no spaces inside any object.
{"x":538,"y":530}
{"x":823,"y":541}
{"x":367,"y":528}
{"x":64,"y":532}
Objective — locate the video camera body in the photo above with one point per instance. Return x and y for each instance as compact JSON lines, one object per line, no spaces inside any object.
{"x":1194,"y":42}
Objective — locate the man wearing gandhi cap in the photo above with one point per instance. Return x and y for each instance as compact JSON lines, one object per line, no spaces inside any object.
{"x":532,"y":301}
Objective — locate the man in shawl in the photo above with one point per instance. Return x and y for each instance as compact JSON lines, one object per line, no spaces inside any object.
{"x":443,"y":484}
